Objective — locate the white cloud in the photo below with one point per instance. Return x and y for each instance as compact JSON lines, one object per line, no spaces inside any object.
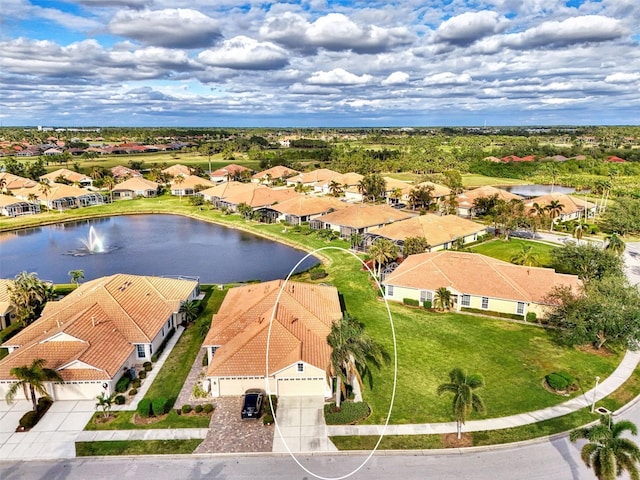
{"x":447,"y":78}
{"x":622,"y":78}
{"x":338,"y":76}
{"x":245,"y":53}
{"x":396,"y":78}
{"x":469,"y":27}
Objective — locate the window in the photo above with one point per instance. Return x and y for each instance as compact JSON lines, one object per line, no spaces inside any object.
{"x":466,"y":301}
{"x":423,"y":296}
{"x":141,"y":352}
{"x":485,"y":302}
{"x":301,"y":367}
{"x":169,"y":323}
{"x":389,"y":290}
{"x":162,"y":331}
{"x":520,"y":308}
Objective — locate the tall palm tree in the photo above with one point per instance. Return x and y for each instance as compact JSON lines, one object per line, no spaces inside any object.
{"x":442,"y":299}
{"x":381,"y":252}
{"x":352,"y":349}
{"x":33,"y":378}
{"x":615,"y":244}
{"x":555,"y":209}
{"x":526,"y":256}
{"x":607,"y":453}
{"x":76,"y":276}
{"x":29,"y":294}
{"x":465,"y":399}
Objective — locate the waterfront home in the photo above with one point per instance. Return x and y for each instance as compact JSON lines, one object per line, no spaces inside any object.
{"x":135,"y":187}
{"x":69,"y":176}
{"x":94,"y":335}
{"x":189,"y":185}
{"x":60,"y":196}
{"x":465,"y":200}
{"x":7,"y":311}
{"x":300,"y":209}
{"x":476,"y":282}
{"x":13,"y":207}
{"x":573,"y":207}
{"x":293,"y":332}
{"x":279,"y":172}
{"x":359,"y":219}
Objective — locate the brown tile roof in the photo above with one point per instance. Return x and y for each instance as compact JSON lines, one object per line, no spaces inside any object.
{"x":322,"y":174}
{"x":361,"y":216}
{"x":304,"y":205}
{"x":226,"y":189}
{"x":136,"y":184}
{"x":475,"y":274}
{"x":7,"y":200}
{"x":392,"y":184}
{"x":436,"y":229}
{"x":570,"y":204}
{"x":95,"y":327}
{"x":58,"y":190}
{"x":279,"y":171}
{"x":175,"y":170}
{"x":14,"y":182}
{"x":230,"y":169}
{"x":438,"y":190}
{"x":465,"y":199}
{"x":262,"y":196}
{"x":120,"y":171}
{"x":350,"y":179}
{"x":302,"y":321}
{"x":190,"y":181}
{"x":69,"y":175}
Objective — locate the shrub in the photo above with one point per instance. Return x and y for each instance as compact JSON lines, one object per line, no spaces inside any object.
{"x":43,"y":405}
{"x":411,"y":302}
{"x":119,"y":400}
{"x":147,"y":366}
{"x":267,"y":419}
{"x":427,"y":304}
{"x":142,"y":375}
{"x":123,"y":384}
{"x":159,"y":406}
{"x":560,"y":380}
{"x":154,"y":357}
{"x":513,"y":316}
{"x":207,"y":408}
{"x":144,"y":408}
{"x":29,"y":419}
{"x":10,"y":331}
{"x":199,"y":409}
{"x":186,"y":408}
{"x":349,"y":413}
{"x":136,"y":383}
{"x":532,"y":317}
{"x":593,"y":229}
{"x":133,"y":392}
{"x":318,"y":274}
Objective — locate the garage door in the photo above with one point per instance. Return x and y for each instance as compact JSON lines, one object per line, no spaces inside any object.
{"x":301,"y":386}
{"x":77,"y":391}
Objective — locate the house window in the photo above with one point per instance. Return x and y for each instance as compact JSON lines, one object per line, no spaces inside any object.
{"x":169,"y":323}
{"x":485,"y":302}
{"x":141,"y":352}
{"x":389,"y":290}
{"x":162,"y":331}
{"x":466,"y":301}
{"x":301,"y":367}
{"x":520,"y":308}
{"x":423,"y":296}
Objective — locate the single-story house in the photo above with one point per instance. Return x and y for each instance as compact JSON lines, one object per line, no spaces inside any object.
{"x":441,"y":232}
{"x":229,"y":173}
{"x":309,"y":179}
{"x":242,"y":335}
{"x":215,"y":195}
{"x":13,"y":207}
{"x":279,"y":172}
{"x":231,"y":194}
{"x":345,"y":180}
{"x":98,"y":332}
{"x":438,"y":193}
{"x":190,"y":185}
{"x":121,"y":172}
{"x":70,"y":176}
{"x":573,"y":207}
{"x":13,"y":182}
{"x":175,"y":170}
{"x":476,"y":282}
{"x":7,"y":312}
{"x":61,"y":196}
{"x":302,"y":208}
{"x":359,"y":218}
{"x":466,"y":199}
{"x":135,"y":187}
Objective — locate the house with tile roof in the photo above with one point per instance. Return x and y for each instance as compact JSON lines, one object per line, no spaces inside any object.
{"x":135,"y":187}
{"x":359,"y":218}
{"x":465,"y":200}
{"x":229,"y":173}
{"x":309,"y":179}
{"x":573,"y":207}
{"x":243,"y":336}
{"x":300,"y":209}
{"x":345,"y":180}
{"x":96,"y":333}
{"x":7,"y":312}
{"x":190,"y":185}
{"x":175,"y":170}
{"x":438,"y":193}
{"x":61,"y":196}
{"x":477,"y":282}
{"x":121,"y":172}
{"x":441,"y":232}
{"x":68,"y":175}
{"x":13,"y":182}
{"x":13,"y":207}
{"x":229,"y":195}
{"x":279,"y":172}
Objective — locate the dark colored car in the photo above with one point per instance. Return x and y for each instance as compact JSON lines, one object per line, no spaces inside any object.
{"x":253,"y":404}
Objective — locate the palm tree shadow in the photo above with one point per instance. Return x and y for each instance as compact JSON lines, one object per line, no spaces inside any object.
{"x":563,"y":446}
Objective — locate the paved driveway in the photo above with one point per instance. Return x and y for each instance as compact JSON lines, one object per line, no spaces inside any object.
{"x":300,"y":426}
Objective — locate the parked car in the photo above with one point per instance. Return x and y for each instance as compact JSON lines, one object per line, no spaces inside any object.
{"x":253,"y":404}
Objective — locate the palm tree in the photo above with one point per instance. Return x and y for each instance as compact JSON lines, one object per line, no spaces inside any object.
{"x":105,"y":402}
{"x":32,"y":197}
{"x":109,"y":182}
{"x":355,"y":239}
{"x":615,"y":244}
{"x":554,"y":208}
{"x":396,"y":195}
{"x":381,"y":252}
{"x":29,"y":294}
{"x":526,"y":256}
{"x":335,"y":188}
{"x":179,"y":180}
{"x":442,"y":299}
{"x":190,"y":309}
{"x":464,"y":399}
{"x":34,"y":378}
{"x":76,"y":276}
{"x":607,"y":453}
{"x":352,"y":349}
{"x":578,"y":232}
{"x":45,"y":187}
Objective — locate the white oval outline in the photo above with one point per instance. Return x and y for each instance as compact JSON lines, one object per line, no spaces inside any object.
{"x":395,"y":364}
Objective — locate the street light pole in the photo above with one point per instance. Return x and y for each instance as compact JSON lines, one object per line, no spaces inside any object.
{"x":595,"y":394}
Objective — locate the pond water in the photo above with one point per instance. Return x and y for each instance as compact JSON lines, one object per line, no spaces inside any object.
{"x":537,"y":190}
{"x":146,"y":245}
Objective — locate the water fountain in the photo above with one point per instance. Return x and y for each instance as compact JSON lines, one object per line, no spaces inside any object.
{"x":93,"y":244}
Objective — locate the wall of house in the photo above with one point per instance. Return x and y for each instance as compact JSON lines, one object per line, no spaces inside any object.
{"x":234,"y":386}
{"x":310,"y":381}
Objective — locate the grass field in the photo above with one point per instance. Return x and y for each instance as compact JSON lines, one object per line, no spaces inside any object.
{"x":502,"y":250}
{"x":136,"y":447}
{"x":470,"y":180}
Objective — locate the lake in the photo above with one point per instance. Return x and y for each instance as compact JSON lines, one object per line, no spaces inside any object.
{"x":147,"y":245}
{"x":537,"y":190}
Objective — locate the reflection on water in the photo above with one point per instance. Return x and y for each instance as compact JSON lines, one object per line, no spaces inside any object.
{"x":537,"y":190}
{"x":147,"y":245}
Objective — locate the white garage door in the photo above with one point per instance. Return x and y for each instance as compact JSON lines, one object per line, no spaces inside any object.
{"x":301,"y":386}
{"x":77,"y":391}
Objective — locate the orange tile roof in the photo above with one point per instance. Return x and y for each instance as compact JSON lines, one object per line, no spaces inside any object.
{"x":262,"y":196}
{"x":136,"y":184}
{"x":230,"y":169}
{"x":191,"y":181}
{"x":14,"y":182}
{"x":279,"y":171}
{"x":226,"y":189}
{"x":58,"y":190}
{"x":570,"y":204}
{"x":319,"y":175}
{"x":302,"y":321}
{"x":7,"y":200}
{"x":69,"y":175}
{"x":438,"y":190}
{"x":361,"y":216}
{"x":466,"y":199}
{"x":436,"y":229}
{"x":175,"y":170}
{"x":309,"y":205}
{"x":475,"y":274}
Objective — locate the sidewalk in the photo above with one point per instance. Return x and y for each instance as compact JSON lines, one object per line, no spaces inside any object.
{"x":608,"y":386}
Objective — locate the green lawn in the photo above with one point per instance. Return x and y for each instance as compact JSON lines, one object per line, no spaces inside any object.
{"x":136,"y":447}
{"x":124,"y":421}
{"x":498,"y":248}
{"x":471,"y":180}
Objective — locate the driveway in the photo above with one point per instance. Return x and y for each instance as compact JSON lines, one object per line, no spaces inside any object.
{"x":300,"y":426}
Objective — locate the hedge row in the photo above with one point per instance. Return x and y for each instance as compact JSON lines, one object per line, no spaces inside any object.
{"x":31,"y":418}
{"x":513,"y":316}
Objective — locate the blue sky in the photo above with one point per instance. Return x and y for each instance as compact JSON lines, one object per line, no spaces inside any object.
{"x":319,"y":62}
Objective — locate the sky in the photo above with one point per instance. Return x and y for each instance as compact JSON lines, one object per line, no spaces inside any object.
{"x":319,"y":63}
